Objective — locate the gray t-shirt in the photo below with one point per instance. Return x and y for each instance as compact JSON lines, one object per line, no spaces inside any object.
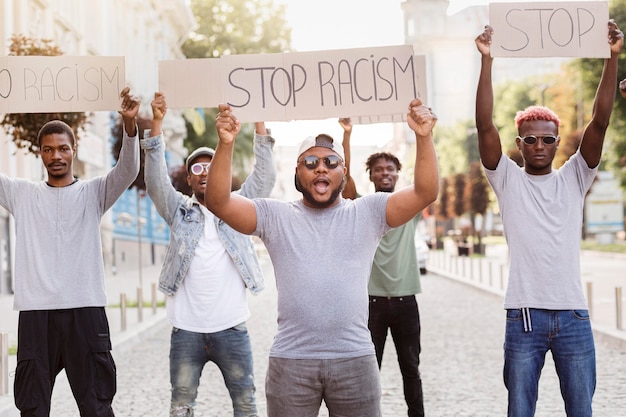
{"x":542,"y":217}
{"x":322,"y":260}
{"x":58,"y":247}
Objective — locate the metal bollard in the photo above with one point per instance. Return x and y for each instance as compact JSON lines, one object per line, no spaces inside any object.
{"x":618,"y":307}
{"x":4,"y":363}
{"x":139,"y":305}
{"x":462,"y":260}
{"x":123,"y":311}
{"x":154,"y":298}
{"x":590,"y":299}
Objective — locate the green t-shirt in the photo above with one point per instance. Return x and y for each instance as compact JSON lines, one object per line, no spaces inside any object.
{"x":395,"y":272}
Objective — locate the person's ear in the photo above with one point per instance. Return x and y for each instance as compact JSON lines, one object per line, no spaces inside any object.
{"x":297,"y":183}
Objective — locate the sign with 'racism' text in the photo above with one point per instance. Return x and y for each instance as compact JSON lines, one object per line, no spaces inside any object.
{"x":49,"y":84}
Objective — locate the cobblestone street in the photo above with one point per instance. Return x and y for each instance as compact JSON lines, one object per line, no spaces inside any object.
{"x":462,"y":335}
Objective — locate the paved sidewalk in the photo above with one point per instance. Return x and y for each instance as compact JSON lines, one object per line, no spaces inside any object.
{"x":124,"y":282}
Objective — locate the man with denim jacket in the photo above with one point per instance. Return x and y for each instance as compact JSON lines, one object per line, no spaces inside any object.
{"x":206,"y":293}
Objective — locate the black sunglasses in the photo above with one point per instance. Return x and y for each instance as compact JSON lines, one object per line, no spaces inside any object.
{"x":532,"y":139}
{"x":311,"y":161}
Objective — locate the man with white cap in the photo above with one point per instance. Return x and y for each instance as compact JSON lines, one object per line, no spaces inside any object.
{"x":322,"y":248}
{"x":205,"y":273}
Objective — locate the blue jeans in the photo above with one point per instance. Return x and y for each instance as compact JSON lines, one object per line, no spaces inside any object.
{"x":568,"y":334}
{"x":229,"y":350}
{"x":400,"y":315}
{"x":350,"y":387}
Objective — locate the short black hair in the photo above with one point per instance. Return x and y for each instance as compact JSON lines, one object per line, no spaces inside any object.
{"x":56,"y":126}
{"x":382,"y":155}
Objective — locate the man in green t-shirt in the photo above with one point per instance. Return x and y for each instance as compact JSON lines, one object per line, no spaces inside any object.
{"x":394,"y":279}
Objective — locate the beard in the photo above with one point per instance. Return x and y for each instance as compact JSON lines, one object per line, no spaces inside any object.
{"x":308,"y":196}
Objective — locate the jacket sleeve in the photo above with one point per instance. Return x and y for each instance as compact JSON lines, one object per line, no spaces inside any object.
{"x":260,"y":182}
{"x":158,"y":183}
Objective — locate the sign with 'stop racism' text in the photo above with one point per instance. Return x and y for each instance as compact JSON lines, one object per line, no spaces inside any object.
{"x":299,"y":85}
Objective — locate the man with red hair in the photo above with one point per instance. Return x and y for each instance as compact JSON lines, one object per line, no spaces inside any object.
{"x":542,"y":216}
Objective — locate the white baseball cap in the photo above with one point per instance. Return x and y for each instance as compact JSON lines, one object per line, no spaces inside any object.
{"x":322,"y":140}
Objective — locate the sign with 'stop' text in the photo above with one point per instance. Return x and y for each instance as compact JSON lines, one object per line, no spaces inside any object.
{"x":299,"y":85}
{"x":550,"y":29}
{"x":50,"y":84}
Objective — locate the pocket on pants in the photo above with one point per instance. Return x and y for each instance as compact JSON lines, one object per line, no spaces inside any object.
{"x":104,"y":368}
{"x":581,"y":314}
{"x":514,"y":314}
{"x":25,"y":375}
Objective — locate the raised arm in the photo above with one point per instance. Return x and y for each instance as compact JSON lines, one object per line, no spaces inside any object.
{"x":125,"y":171}
{"x":262,"y":179}
{"x":159,"y":109}
{"x":237,"y":211}
{"x":489,"y":144}
{"x":349,"y":191}
{"x":158,"y":182}
{"x":406,"y":203}
{"x":593,"y":136}
{"x":129,"y":109}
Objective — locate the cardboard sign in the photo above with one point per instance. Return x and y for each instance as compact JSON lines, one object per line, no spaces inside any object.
{"x":299,"y":86}
{"x":550,"y":29}
{"x":50,"y":84}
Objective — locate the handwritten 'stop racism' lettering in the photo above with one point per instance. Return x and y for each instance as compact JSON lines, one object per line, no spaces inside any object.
{"x":306,"y":85}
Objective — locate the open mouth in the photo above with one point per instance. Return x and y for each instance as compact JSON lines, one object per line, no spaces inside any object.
{"x":321,"y":185}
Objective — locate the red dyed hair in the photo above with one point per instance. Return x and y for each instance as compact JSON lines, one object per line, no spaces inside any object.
{"x":536,"y":113}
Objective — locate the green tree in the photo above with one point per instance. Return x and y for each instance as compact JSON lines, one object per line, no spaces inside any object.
{"x":477,"y":196}
{"x":459,"y":204}
{"x":229,"y":27}
{"x":232,"y":27}
{"x":457,"y":145}
{"x":441,"y":210}
{"x":614,"y":155}
{"x":24,"y":127}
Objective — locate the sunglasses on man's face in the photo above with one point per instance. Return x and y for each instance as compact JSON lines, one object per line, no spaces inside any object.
{"x":311,"y":161}
{"x":199,"y":167}
{"x":532,"y":139}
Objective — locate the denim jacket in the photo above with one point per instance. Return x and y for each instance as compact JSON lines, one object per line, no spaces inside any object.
{"x":182,"y":213}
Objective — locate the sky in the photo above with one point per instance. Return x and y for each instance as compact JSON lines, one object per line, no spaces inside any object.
{"x":341,"y":24}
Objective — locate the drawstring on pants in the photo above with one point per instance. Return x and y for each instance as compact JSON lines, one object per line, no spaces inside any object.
{"x":528,"y":326}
